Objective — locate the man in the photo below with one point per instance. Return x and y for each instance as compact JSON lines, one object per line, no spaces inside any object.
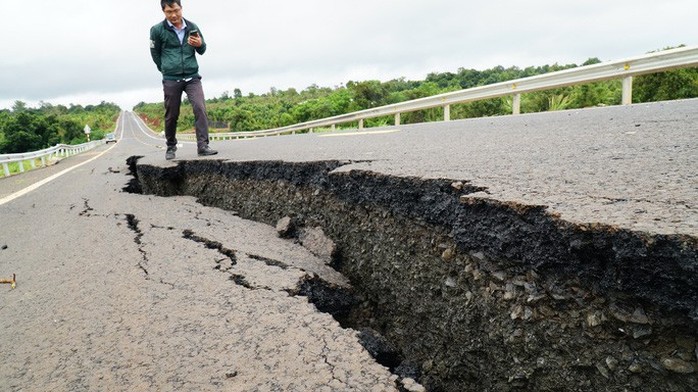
{"x":174,"y":44}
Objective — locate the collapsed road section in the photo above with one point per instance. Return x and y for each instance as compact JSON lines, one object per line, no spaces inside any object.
{"x":476,"y":294}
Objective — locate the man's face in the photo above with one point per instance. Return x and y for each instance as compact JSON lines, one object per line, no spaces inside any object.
{"x":173,"y":13}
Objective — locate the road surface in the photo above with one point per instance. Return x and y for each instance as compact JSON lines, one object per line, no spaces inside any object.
{"x":112,"y":296}
{"x":118,"y":291}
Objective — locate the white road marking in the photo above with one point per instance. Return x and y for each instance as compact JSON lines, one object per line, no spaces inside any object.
{"x":360,"y":133}
{"x":49,"y":179}
{"x":139,"y":121}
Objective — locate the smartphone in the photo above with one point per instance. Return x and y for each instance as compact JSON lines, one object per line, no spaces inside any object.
{"x":194,"y":33}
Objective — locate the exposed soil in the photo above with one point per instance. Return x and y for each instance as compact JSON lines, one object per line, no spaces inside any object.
{"x":472,"y":294}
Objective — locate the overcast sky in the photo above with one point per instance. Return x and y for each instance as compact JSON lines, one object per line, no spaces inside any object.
{"x":88,"y":51}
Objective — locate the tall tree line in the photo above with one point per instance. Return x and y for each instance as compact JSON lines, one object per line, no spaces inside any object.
{"x":24,"y":129}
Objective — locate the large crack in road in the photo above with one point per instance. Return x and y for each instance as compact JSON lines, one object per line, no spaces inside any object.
{"x":473,"y":294}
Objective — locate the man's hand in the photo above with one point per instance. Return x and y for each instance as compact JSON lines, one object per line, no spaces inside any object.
{"x":194,"y":41}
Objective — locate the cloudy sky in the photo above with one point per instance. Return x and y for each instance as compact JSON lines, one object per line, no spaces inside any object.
{"x":88,"y":51}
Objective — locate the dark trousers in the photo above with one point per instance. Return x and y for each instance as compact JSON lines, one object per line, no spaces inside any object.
{"x":173,"y":99}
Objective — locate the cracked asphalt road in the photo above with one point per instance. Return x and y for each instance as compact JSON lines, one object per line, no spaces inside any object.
{"x":112,"y":296}
{"x":105,"y":303}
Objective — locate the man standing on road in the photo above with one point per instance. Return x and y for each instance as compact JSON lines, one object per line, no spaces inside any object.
{"x":174,"y":44}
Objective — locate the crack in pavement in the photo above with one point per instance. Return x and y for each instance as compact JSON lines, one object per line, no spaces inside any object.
{"x":241,"y":281}
{"x":325,"y":296}
{"x":86,"y":211}
{"x":133,"y":225}
{"x":231,"y":256}
{"x":325,"y":357}
{"x":215,"y":245}
{"x":270,"y":262}
{"x":183,"y":333}
{"x":436,"y":249}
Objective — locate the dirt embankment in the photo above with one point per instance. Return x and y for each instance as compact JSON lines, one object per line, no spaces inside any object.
{"x":472,"y":294}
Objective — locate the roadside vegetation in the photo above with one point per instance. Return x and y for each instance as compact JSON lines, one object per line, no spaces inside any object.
{"x":278,"y":108}
{"x":24,"y":129}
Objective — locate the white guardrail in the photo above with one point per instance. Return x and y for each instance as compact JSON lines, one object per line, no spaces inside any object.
{"x":59,"y":150}
{"x":620,"y":69}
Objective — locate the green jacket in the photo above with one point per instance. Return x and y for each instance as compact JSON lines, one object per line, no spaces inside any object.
{"x":175,"y":61}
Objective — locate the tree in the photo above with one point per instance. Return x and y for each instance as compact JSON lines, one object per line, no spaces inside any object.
{"x":21,"y":134}
{"x":368,"y":94}
{"x":19,"y":106}
{"x":27,"y":129}
{"x":676,"y":84}
{"x":594,"y":94}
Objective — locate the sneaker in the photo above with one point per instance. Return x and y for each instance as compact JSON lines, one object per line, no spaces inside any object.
{"x":170,"y":154}
{"x":207,"y":151}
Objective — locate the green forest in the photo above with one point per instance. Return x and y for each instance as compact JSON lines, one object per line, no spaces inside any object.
{"x":238,"y":113}
{"x":25,"y":129}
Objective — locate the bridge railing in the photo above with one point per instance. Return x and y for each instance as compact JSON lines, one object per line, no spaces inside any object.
{"x":59,"y":150}
{"x":624,"y":69}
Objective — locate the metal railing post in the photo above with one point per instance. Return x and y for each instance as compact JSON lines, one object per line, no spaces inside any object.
{"x":516,"y":104}
{"x":397,"y":119}
{"x":6,"y":169}
{"x":361,"y":124}
{"x":447,"y":113}
{"x":627,"y":90}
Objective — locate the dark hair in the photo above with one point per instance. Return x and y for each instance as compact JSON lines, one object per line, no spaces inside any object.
{"x":163,"y":3}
